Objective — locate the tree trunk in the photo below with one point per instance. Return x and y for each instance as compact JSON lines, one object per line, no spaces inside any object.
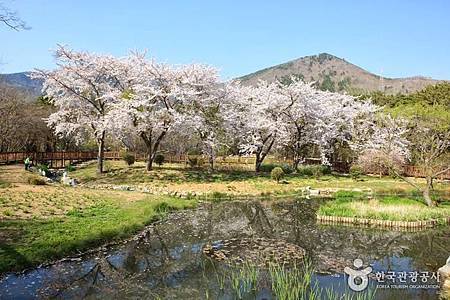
{"x":101,"y":153}
{"x":211,"y":162}
{"x":258,"y":162}
{"x":295,"y":162}
{"x":152,"y":148}
{"x":150,"y":158}
{"x":426,"y":191}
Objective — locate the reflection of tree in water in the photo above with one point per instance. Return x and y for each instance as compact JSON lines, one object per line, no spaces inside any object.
{"x":138,"y":267}
{"x":169,"y":254}
{"x":431,"y":248}
{"x":257,"y":217}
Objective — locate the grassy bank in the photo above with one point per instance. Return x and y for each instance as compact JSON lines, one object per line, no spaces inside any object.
{"x":179,"y":178}
{"x":29,"y":242}
{"x":393,"y":208}
{"x":43,"y":223}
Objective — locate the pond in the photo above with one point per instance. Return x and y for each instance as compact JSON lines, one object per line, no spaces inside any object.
{"x":167,"y":261}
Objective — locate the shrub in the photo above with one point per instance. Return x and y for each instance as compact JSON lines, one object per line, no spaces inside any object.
{"x":159,"y":159}
{"x":43,"y":169}
{"x":277,"y":174}
{"x":314,"y":170}
{"x":70,"y":168}
{"x":129,"y":158}
{"x":356,"y":172}
{"x":35,"y":180}
{"x":287,"y":169}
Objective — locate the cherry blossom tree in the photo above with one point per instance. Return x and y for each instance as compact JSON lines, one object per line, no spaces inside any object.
{"x":162,"y":97}
{"x":206,"y":117}
{"x":295,"y":117}
{"x":84,"y":88}
{"x":255,"y":114}
{"x":316,"y":118}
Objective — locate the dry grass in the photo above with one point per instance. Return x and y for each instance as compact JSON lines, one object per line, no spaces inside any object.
{"x":179,"y":178}
{"x":26,"y":201}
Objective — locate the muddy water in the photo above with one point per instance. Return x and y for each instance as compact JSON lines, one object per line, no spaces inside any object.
{"x":167,"y":262}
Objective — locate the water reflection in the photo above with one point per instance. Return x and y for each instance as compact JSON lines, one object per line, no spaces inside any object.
{"x":167,"y":260}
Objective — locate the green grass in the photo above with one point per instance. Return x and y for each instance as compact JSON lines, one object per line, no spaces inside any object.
{"x":30,"y":242}
{"x":394,"y":208}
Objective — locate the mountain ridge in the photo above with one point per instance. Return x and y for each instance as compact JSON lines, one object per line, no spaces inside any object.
{"x":333,"y":73}
{"x":329,"y":72}
{"x":23,"y":82}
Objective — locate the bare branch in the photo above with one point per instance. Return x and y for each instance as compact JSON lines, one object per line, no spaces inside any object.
{"x":11,"y":19}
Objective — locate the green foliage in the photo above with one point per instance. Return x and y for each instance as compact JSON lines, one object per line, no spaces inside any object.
{"x":159,"y":159}
{"x":128,"y":158}
{"x":44,"y":101}
{"x":430,"y":105}
{"x":314,"y":170}
{"x":356,"y":172}
{"x":344,"y":84}
{"x":277,"y":174}
{"x":43,"y":168}
{"x":70,"y":168}
{"x":287,"y":169}
{"x":289,"y":79}
{"x":327,"y":84}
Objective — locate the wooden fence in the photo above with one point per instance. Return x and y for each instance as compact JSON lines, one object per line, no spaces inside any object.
{"x":414,"y":171}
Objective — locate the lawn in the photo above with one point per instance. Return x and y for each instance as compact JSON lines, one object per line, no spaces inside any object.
{"x":179,"y":178}
{"x":43,"y":223}
{"x":393,"y":208}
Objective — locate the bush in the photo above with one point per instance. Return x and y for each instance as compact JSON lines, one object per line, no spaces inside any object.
{"x":129,"y":158}
{"x":70,"y":168}
{"x":43,"y":169}
{"x":277,"y":174}
{"x":314,"y":170}
{"x":159,"y":159}
{"x":35,"y":180}
{"x":195,"y":162}
{"x":287,"y":169}
{"x":356,"y":172}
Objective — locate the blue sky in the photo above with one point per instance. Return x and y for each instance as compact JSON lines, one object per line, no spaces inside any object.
{"x":399,"y":38}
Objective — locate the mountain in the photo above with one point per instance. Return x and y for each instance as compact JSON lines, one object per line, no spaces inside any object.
{"x":23,"y":82}
{"x":328,"y":71}
{"x":336,"y":74}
